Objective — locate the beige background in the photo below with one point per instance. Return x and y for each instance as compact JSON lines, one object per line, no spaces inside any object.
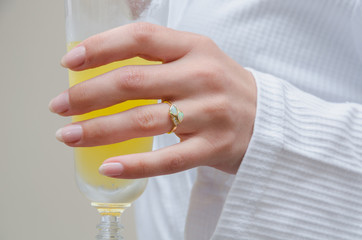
{"x":39,"y":199}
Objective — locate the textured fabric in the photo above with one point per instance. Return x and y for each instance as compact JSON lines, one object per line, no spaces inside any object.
{"x":302,"y":175}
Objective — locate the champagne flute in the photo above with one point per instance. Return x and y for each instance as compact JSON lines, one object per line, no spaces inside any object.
{"x":85,"y":18}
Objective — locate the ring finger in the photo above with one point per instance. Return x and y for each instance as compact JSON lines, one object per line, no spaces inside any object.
{"x":141,"y":121}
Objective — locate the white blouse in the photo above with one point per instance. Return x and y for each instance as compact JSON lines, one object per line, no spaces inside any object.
{"x":301,"y":177}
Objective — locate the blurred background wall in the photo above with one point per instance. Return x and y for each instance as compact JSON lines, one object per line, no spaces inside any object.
{"x":39,"y":199}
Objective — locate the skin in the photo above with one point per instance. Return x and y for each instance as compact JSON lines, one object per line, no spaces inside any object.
{"x":216,"y":94}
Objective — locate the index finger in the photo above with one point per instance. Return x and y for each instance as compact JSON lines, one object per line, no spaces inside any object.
{"x":145,"y":40}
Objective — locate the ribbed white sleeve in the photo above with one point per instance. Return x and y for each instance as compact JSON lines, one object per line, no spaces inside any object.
{"x":301,"y":177}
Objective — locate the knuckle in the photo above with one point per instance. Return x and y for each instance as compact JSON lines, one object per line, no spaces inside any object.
{"x":219,"y":109}
{"x":203,"y":74}
{"x":211,"y":70}
{"x":131,"y":79}
{"x":226,"y":143}
{"x":211,"y":75}
{"x":79,"y":96}
{"x":176,"y":163}
{"x":201,"y":39}
{"x":92,"y":48}
{"x":204,"y":42}
{"x":94,"y":131}
{"x":142,"y":32}
{"x":142,"y":169}
{"x":221,"y":142}
{"x":145,"y":120}
{"x":223,"y":105}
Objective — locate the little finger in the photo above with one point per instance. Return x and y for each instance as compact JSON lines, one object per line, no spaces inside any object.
{"x":179,"y":157}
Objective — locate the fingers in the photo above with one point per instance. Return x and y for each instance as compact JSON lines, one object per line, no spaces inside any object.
{"x":146,"y":40}
{"x":141,"y":121}
{"x":197,"y":76}
{"x":179,"y":157}
{"x":127,"y":83}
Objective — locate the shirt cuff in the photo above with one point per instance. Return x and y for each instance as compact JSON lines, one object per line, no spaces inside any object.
{"x":300,"y":175}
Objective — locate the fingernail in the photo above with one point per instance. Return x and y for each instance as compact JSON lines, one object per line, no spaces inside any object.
{"x":60,"y":104}
{"x":69,"y":134}
{"x":111,"y":169}
{"x":74,"y":58}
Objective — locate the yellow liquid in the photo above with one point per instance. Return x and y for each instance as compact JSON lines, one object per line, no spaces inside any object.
{"x":94,"y":186}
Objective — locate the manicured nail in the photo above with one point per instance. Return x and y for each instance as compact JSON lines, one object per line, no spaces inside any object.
{"x":112,"y":169}
{"x":74,"y":58}
{"x":60,"y":104}
{"x":69,"y":134}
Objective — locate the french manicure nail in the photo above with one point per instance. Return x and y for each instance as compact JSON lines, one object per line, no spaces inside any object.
{"x":60,"y":104}
{"x":111,"y":169}
{"x":69,"y":134}
{"x":74,"y":58}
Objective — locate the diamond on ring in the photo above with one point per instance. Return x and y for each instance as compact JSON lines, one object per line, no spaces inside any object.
{"x":175,"y":114}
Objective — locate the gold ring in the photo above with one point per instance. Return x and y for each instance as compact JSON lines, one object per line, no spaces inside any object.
{"x":175,"y":114}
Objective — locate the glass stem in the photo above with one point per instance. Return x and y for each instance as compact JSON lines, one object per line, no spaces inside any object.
{"x":110,"y":227}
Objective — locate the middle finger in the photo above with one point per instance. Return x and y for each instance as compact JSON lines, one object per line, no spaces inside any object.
{"x":126,"y":83}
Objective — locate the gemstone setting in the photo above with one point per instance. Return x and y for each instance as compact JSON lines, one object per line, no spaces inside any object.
{"x":173,"y":110}
{"x":180,"y":116}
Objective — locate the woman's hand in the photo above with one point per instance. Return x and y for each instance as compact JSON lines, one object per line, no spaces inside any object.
{"x":216,"y":95}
